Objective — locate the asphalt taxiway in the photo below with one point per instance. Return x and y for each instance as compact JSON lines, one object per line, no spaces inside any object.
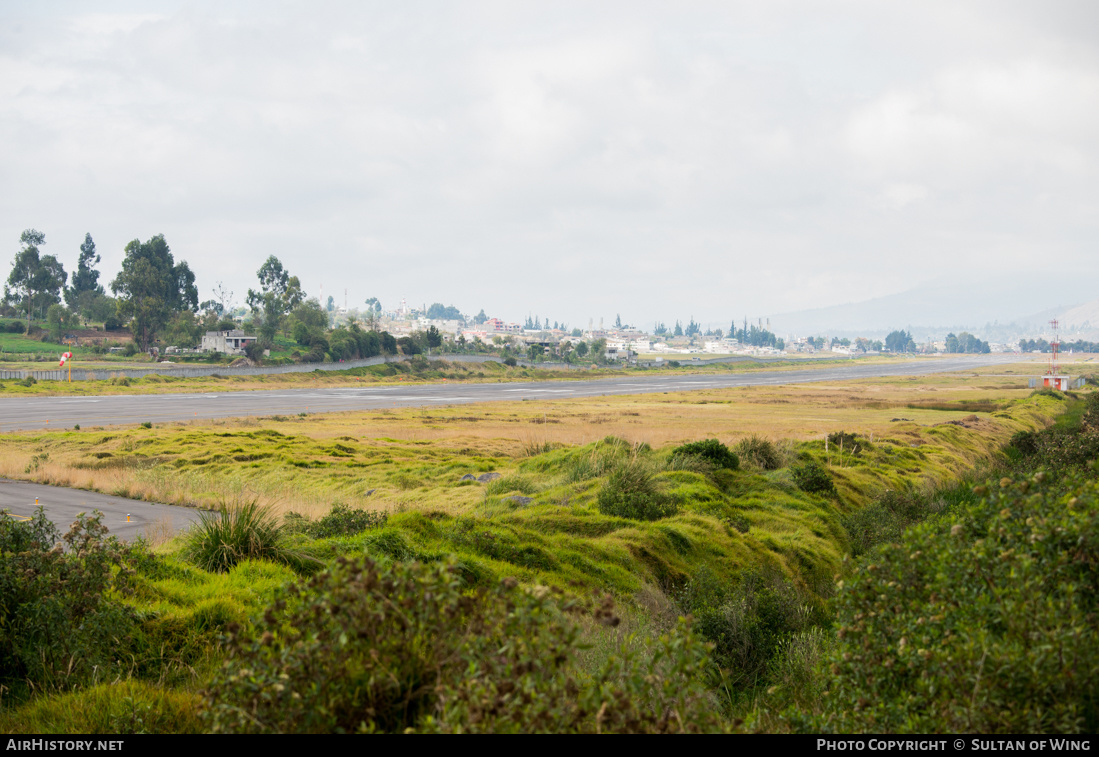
{"x":23,"y":413}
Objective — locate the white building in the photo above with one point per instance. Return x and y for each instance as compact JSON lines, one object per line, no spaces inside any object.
{"x":226,"y":342}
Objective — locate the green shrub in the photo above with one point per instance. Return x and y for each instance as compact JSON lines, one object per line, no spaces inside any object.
{"x":760,"y":452}
{"x":749,"y":621}
{"x":222,"y":539}
{"x":631,"y":491}
{"x":373,"y":647}
{"x":980,"y":622}
{"x":712,"y":450}
{"x":1090,"y":418}
{"x":59,"y":625}
{"x":847,"y":442}
{"x":1064,"y":448}
{"x":340,"y":521}
{"x":813,"y":477}
{"x":885,"y":519}
{"x":692,"y":464}
{"x":1025,"y":443}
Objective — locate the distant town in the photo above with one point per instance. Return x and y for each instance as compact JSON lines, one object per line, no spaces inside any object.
{"x":155,"y":310}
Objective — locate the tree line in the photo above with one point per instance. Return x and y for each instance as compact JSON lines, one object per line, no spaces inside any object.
{"x":150,"y":289}
{"x":1041,"y":345}
{"x":156,"y":296}
{"x":966,"y":343}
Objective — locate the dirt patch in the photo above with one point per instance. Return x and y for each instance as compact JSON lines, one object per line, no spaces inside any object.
{"x":971,"y":422}
{"x":95,"y":336}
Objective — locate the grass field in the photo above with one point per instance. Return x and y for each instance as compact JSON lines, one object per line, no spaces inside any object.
{"x":412,"y":458}
{"x":540,"y":520}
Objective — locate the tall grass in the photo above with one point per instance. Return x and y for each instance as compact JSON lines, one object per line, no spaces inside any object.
{"x":221,"y":540}
{"x":758,"y":452}
{"x":632,"y":491}
{"x":159,"y":532}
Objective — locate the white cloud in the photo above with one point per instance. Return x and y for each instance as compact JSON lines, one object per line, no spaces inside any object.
{"x":569,"y":158}
{"x":896,"y":196}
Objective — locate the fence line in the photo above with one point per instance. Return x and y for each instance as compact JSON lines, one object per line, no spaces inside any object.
{"x":91,"y":374}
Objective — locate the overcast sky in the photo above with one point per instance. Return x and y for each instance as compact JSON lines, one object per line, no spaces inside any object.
{"x":571,"y":160}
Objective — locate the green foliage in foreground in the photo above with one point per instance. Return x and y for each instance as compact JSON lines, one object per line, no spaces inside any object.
{"x":368,"y":646}
{"x":885,"y":519}
{"x":748,"y":554}
{"x":1072,"y":442}
{"x":119,"y":707}
{"x":982,"y":621}
{"x":59,"y":624}
{"x":749,"y":622}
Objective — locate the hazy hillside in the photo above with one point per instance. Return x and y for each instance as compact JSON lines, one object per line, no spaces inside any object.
{"x":1000,"y":310}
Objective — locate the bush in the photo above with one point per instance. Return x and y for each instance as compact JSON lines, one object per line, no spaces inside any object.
{"x":979,"y":623}
{"x":849,"y":443}
{"x":759,"y":452}
{"x":340,"y":521}
{"x":748,"y":622}
{"x":1090,"y":418}
{"x":1025,"y":443}
{"x":1063,"y":448}
{"x":712,"y":450}
{"x":813,"y":477}
{"x":222,"y":539}
{"x":631,"y":491}
{"x":61,"y":626}
{"x":510,"y":362}
{"x":886,"y":519}
{"x":254,"y":350}
{"x":373,"y":647}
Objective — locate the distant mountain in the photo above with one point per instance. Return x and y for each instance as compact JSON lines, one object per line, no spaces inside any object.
{"x":995,"y":310}
{"x":1082,"y":318}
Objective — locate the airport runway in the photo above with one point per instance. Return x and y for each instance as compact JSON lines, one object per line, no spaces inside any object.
{"x":62,"y":506}
{"x":64,"y":412}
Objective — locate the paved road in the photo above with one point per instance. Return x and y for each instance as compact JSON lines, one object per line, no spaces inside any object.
{"x":65,"y":412}
{"x":62,"y":506}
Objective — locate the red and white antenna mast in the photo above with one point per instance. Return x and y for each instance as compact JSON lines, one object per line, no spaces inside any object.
{"x":1055,"y":346}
